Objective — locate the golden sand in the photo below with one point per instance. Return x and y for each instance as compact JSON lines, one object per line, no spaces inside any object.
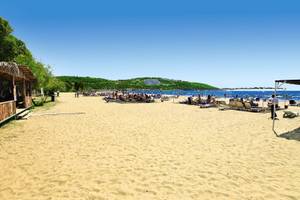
{"x":147,"y":151}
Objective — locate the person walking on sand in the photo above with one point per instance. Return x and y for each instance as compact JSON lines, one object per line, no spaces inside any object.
{"x":274,"y":104}
{"x":77,"y":94}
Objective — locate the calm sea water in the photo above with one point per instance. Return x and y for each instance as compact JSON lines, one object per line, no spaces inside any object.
{"x":282,"y":94}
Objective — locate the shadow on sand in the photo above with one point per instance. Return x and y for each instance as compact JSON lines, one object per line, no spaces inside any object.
{"x":292,"y":135}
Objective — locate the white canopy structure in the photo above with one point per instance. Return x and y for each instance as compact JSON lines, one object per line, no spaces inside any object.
{"x":278,"y":84}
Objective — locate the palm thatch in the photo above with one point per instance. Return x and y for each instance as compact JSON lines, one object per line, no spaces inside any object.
{"x":10,"y":68}
{"x":27,"y":72}
{"x":18,"y":71}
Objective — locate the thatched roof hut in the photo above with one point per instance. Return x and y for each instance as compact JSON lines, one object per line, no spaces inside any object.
{"x":15,"y":89}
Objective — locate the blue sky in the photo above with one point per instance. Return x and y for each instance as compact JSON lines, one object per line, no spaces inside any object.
{"x":224,"y":43}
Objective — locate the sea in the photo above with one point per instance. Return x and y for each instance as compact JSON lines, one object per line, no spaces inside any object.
{"x":261,"y":94}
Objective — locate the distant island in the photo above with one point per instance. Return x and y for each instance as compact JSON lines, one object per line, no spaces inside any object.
{"x":89,"y":83}
{"x":251,"y":88}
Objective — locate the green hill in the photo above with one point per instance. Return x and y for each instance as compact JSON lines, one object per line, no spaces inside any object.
{"x":87,"y":83}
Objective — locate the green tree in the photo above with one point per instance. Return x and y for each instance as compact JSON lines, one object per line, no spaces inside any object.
{"x":14,"y":50}
{"x":5,"y":28}
{"x":54,"y":85}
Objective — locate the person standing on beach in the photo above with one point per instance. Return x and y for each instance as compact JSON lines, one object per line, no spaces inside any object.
{"x":199,"y":99}
{"x":208,"y":101}
{"x":190,"y":99}
{"x":274,"y":104}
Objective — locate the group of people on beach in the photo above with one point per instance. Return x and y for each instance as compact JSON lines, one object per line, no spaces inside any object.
{"x":123,"y":96}
{"x":77,"y":94}
{"x":273,"y":102}
{"x":200,"y":100}
{"x":130,"y":97}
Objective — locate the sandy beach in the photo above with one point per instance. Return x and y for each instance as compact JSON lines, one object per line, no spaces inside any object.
{"x":147,"y":151}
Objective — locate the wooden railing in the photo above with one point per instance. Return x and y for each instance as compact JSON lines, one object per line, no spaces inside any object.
{"x":7,"y":109}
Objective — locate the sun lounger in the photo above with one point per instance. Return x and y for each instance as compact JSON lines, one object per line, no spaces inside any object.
{"x":223,"y":107}
{"x":220,"y":102}
{"x":250,"y":108}
{"x":109,"y":99}
{"x":247,"y":105}
{"x":207,"y":105}
{"x":243,"y":106}
{"x":294,"y":103}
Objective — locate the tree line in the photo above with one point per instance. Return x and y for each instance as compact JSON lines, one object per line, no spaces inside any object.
{"x":75,"y":83}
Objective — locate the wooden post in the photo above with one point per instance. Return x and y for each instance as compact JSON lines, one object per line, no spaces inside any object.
{"x":29,"y":88}
{"x":24,"y":94}
{"x":14,"y":89}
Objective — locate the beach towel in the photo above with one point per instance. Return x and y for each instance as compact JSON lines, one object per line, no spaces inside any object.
{"x":290,"y":114}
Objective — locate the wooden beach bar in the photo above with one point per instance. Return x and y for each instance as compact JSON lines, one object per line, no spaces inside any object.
{"x":16,"y":83}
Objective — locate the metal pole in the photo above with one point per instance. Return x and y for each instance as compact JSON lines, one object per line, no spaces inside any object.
{"x":274,"y":109}
{"x":263,"y":103}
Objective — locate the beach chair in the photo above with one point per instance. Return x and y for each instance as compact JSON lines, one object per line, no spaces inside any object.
{"x":247,"y":106}
{"x":232,"y":104}
{"x":250,"y":108}
{"x":293,"y":103}
{"x":239,"y":105}
{"x":210,"y":105}
{"x":223,"y":107}
{"x":109,"y":99}
{"x":220,"y":102}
